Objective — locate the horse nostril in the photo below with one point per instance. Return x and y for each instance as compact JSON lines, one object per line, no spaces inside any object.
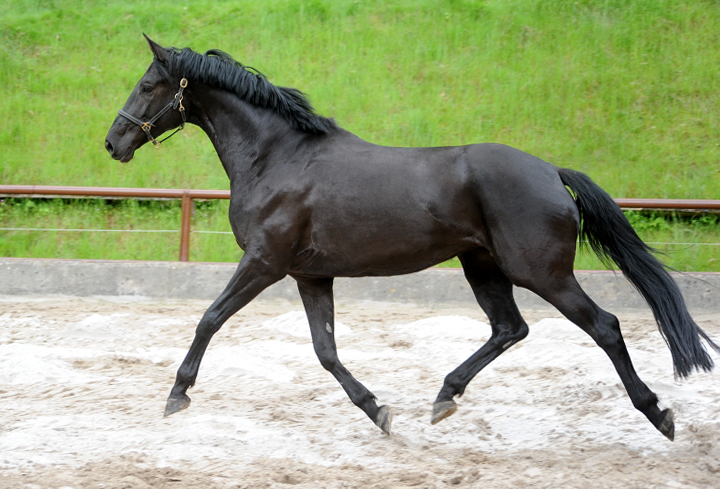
{"x":108,"y":146}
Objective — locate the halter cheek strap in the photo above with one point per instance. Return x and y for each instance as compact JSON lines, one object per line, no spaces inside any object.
{"x":176,"y":104}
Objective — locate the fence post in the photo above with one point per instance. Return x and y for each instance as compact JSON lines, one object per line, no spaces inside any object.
{"x":185,"y":227}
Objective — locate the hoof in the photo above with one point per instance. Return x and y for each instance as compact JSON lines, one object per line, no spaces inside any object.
{"x":175,"y":404}
{"x":442,"y":410}
{"x":384,"y":419}
{"x":667,"y":426}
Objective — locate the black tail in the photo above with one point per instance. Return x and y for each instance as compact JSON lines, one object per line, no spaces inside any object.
{"x":605,"y":228}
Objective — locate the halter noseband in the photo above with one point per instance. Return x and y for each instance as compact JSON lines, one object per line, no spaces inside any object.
{"x":176,"y":104}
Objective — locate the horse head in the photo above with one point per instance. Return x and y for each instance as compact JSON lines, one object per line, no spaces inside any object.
{"x":154,"y":107}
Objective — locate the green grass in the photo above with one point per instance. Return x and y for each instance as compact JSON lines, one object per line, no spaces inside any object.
{"x":625,"y":91}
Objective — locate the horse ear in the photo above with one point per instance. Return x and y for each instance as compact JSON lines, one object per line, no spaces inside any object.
{"x":160,"y":53}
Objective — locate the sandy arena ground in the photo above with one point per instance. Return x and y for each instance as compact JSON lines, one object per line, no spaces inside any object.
{"x":83,"y":384}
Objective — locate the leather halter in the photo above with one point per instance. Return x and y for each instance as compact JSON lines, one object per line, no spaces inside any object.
{"x":176,"y":104}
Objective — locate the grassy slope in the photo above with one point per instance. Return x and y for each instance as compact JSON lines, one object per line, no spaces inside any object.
{"x":623,"y":90}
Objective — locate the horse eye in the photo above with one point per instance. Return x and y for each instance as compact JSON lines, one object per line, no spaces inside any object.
{"x":147,"y":88}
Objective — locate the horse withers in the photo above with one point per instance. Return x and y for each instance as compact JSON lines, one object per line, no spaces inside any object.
{"x":313,"y":201}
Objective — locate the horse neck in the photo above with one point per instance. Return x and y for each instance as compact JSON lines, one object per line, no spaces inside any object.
{"x":243,"y":135}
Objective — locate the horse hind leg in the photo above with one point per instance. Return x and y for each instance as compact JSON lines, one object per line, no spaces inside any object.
{"x":317,"y":297}
{"x":493,"y":291}
{"x":604,"y":328}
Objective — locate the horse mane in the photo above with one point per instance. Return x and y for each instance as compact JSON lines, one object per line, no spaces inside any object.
{"x":218,"y":69}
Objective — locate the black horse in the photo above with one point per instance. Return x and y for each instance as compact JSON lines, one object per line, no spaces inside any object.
{"x":313,"y":201}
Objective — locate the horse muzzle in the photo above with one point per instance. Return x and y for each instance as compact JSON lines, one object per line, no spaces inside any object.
{"x":117,"y":150}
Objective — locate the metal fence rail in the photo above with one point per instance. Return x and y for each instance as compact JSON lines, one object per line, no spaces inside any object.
{"x":188,"y":195}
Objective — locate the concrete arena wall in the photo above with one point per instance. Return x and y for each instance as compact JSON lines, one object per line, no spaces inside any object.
{"x":192,"y":280}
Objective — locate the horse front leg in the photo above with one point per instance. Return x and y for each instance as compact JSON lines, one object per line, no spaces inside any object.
{"x":252,"y":276}
{"x":317,"y":297}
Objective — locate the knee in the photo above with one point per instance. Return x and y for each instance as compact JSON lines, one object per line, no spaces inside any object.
{"x":208,"y":325}
{"x":509,"y":335}
{"x":328,"y":360}
{"x":329,"y":364}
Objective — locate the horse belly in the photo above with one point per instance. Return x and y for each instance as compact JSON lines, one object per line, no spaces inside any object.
{"x":386,"y":243}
